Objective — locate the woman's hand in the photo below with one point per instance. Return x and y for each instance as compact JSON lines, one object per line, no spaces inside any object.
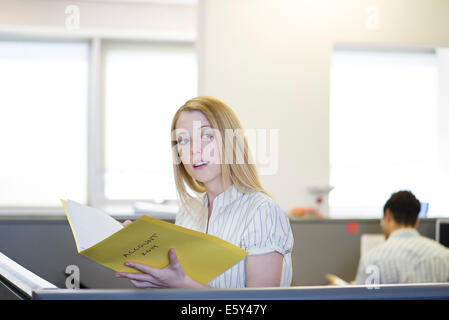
{"x":173,"y":276}
{"x":127,"y":222}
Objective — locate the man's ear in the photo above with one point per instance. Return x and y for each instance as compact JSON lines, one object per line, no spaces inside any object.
{"x":387,"y":215}
{"x":416,"y":223}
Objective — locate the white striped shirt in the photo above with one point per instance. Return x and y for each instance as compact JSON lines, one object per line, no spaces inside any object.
{"x":250,"y":221}
{"x":406,"y":257}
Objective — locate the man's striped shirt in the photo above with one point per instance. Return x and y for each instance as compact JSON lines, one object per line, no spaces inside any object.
{"x":406,"y":257}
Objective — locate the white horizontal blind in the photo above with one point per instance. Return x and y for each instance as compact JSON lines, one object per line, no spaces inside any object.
{"x":383,"y":130}
{"x":144,"y":86}
{"x":43,"y":123}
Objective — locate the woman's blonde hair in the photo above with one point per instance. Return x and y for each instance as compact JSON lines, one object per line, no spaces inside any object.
{"x":221,"y":118}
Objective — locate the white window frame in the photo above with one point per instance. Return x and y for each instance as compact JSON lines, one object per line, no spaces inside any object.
{"x":95,"y":107}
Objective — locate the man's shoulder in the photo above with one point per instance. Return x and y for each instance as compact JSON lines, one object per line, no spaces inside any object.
{"x":416,"y":247}
{"x":377,"y":252}
{"x":434,"y":248}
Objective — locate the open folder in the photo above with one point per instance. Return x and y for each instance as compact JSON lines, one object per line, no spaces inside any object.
{"x":147,"y":240}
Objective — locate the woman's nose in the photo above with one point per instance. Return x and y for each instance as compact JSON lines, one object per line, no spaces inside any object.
{"x":195,"y":148}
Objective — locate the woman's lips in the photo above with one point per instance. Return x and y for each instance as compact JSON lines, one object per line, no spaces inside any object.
{"x":200,"y":165}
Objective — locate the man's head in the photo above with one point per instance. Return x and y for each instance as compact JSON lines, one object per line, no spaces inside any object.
{"x":400,"y":211}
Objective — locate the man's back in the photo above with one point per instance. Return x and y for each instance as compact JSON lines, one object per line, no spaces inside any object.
{"x":406,"y":257}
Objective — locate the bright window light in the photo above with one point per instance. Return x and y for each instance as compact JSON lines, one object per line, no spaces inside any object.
{"x":43,"y":123}
{"x":144,"y":86}
{"x":383,"y":130}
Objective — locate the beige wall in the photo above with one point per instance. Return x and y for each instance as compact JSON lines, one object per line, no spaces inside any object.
{"x":269,"y":60}
{"x":121,"y":16}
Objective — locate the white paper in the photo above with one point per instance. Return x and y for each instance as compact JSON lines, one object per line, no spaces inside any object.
{"x":369,"y":241}
{"x":90,"y":225}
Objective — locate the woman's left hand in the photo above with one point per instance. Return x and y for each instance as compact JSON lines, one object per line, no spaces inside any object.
{"x":173,"y":276}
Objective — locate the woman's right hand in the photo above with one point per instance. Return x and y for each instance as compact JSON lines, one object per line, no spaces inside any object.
{"x":127,"y":222}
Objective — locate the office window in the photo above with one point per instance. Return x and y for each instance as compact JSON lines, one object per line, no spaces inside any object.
{"x":43,"y":123}
{"x":144,"y":86}
{"x":383,"y":130}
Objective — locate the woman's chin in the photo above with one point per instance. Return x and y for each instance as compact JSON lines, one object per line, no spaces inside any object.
{"x":206,"y":177}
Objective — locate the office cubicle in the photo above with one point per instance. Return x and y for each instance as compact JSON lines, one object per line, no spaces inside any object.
{"x":17,"y":282}
{"x":45,"y":246}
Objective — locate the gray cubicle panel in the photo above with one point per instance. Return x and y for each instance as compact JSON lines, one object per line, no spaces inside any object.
{"x":333,"y":246}
{"x":46,"y":247}
{"x":17,"y":282}
{"x":20,"y":283}
{"x":8,"y":292}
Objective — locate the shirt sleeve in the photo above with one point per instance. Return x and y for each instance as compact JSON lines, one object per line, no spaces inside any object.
{"x":268,"y":230}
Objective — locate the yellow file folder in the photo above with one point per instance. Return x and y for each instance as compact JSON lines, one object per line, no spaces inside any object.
{"x":147,"y":240}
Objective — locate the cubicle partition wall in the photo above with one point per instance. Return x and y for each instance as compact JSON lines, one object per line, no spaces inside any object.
{"x":333,"y":246}
{"x":382,"y":292}
{"x":45,"y":246}
{"x":18,"y":283}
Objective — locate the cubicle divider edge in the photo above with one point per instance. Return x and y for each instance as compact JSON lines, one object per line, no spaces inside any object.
{"x":436,"y":291}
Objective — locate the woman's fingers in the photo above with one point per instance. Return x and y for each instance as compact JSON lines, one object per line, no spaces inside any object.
{"x":174,"y":262}
{"x":171,"y":276}
{"x":133,"y":276}
{"x":143,"y":284}
{"x":127,"y":222}
{"x":141,"y":267}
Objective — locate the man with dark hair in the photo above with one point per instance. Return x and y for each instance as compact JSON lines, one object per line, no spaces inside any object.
{"x":406,"y":256}
{"x":400,"y":211}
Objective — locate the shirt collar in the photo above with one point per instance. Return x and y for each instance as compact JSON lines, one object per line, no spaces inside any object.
{"x":404,"y":233}
{"x":226,"y":197}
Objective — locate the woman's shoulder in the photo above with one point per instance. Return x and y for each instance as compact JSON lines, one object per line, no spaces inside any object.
{"x":263,"y":203}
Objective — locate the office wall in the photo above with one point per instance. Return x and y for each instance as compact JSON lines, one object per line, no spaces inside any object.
{"x":269,"y":60}
{"x":152,"y":18}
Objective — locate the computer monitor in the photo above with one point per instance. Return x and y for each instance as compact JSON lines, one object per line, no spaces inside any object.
{"x":424,"y":210}
{"x":442,"y":232}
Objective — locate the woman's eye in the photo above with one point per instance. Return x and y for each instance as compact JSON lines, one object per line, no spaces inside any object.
{"x":207,"y":136}
{"x":183,"y":141}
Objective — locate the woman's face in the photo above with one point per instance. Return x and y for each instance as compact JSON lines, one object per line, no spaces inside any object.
{"x":198,"y":147}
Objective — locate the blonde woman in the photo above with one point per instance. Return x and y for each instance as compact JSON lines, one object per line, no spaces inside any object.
{"x":212,"y":159}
